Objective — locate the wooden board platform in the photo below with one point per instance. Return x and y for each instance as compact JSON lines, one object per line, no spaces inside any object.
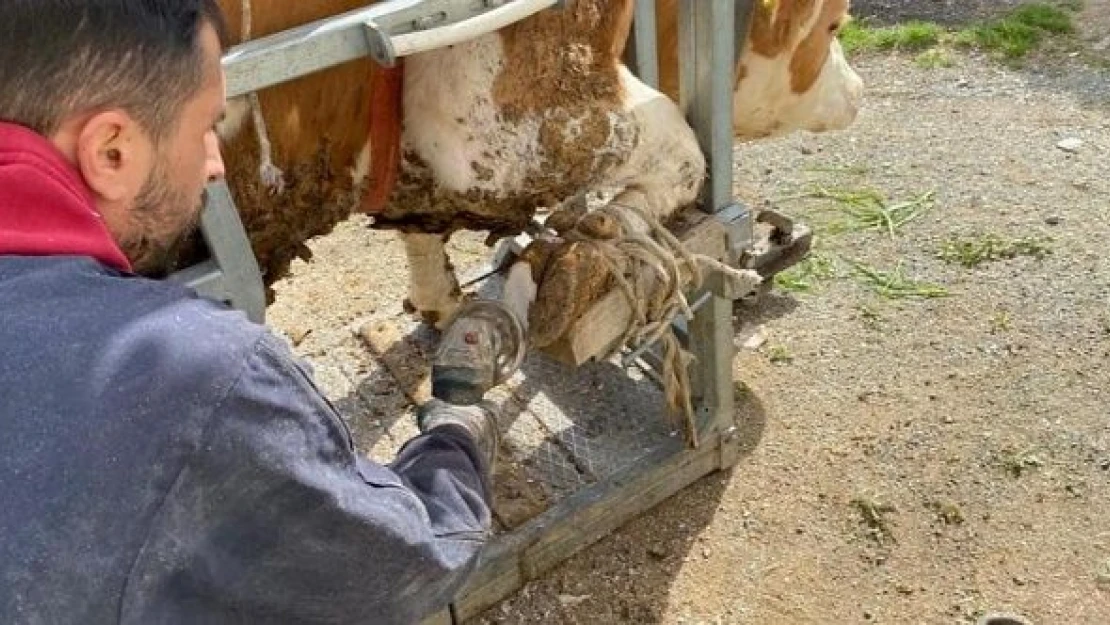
{"x":582,"y":519}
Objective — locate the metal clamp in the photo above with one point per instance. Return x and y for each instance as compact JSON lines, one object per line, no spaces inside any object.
{"x":737,"y":221}
{"x":785,"y":245}
{"x":432,"y":24}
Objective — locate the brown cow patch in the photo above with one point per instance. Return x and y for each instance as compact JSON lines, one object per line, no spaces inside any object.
{"x":563,"y":58}
{"x":776,"y":25}
{"x":813,"y":52}
{"x":318,"y":195}
{"x":318,"y":125}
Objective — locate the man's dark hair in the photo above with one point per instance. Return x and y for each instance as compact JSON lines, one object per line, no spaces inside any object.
{"x":60,"y":57}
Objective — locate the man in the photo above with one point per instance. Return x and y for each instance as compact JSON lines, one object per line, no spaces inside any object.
{"x":162,"y":460}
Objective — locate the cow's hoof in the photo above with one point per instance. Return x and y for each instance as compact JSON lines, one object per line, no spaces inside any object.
{"x":575,"y":277}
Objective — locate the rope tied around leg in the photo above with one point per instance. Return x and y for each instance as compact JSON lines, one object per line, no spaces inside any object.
{"x":654,"y":270}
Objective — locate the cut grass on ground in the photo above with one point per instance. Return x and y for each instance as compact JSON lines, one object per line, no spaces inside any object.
{"x":1017,"y":463}
{"x":976,"y":250}
{"x":1012,"y":36}
{"x":874,"y":516}
{"x":803,"y":277}
{"x":868,"y":209}
{"x":894,"y":284}
{"x":820,"y":267}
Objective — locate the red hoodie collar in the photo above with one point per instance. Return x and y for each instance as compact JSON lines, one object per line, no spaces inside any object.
{"x":46,"y":209}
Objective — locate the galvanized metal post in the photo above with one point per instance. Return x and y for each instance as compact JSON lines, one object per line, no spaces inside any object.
{"x":231,"y":274}
{"x":642,"y":56}
{"x":708,"y":55}
{"x":707,"y":90}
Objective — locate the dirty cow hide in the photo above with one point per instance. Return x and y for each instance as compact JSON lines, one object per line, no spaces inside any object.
{"x":534,"y":112}
{"x":496,"y":127}
{"x":319,"y":126}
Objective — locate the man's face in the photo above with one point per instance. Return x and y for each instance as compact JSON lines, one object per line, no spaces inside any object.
{"x":167,"y":207}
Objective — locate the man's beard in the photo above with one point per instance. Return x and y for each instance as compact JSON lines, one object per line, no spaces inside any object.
{"x":163,"y":220}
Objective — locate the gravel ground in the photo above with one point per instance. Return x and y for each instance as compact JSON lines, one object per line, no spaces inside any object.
{"x":920,"y":460}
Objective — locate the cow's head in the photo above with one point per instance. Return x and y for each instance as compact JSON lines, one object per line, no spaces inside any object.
{"x":791,"y":74}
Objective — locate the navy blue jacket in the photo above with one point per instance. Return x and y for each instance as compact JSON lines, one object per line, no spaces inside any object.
{"x":164,"y":460}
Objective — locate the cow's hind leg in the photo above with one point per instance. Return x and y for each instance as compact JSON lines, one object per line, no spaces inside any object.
{"x":433,"y":288}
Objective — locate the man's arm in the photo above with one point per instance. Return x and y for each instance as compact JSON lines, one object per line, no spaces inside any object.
{"x":278,"y":520}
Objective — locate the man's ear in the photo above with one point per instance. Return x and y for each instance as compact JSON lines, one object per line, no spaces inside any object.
{"x":114,"y":155}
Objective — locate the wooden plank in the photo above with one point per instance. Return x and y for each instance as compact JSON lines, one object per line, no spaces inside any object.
{"x":581,"y":520}
{"x":499,"y":574}
{"x":402,"y":356}
{"x":599,"y":330}
{"x":595,"y":333}
{"x":439,"y":618}
{"x":702,"y":234}
{"x":594,"y":514}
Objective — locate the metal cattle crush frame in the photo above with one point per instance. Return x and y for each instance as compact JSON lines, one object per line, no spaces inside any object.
{"x":395,"y":28}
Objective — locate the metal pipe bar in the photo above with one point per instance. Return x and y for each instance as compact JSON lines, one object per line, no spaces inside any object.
{"x":710,"y":90}
{"x":485,"y":16}
{"x":280,"y":57}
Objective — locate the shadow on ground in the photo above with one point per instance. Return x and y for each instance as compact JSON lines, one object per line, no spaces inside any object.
{"x":631,"y":579}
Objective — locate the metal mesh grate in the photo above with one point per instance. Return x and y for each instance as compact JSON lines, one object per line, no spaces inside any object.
{"x":564,"y":428}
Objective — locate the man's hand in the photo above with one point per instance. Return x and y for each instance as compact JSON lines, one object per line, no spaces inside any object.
{"x":478,"y":420}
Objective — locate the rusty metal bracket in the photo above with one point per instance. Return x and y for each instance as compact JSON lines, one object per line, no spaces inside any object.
{"x":786,"y":244}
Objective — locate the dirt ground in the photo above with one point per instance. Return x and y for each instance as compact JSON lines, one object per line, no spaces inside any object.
{"x":919,"y":459}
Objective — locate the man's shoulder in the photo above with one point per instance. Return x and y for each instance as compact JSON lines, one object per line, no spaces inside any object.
{"x":194,"y":327}
{"x":194,"y":335}
{"x":178,"y":318}
{"x":138,"y":325}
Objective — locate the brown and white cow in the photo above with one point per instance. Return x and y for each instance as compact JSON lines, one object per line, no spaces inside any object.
{"x":485,"y":132}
